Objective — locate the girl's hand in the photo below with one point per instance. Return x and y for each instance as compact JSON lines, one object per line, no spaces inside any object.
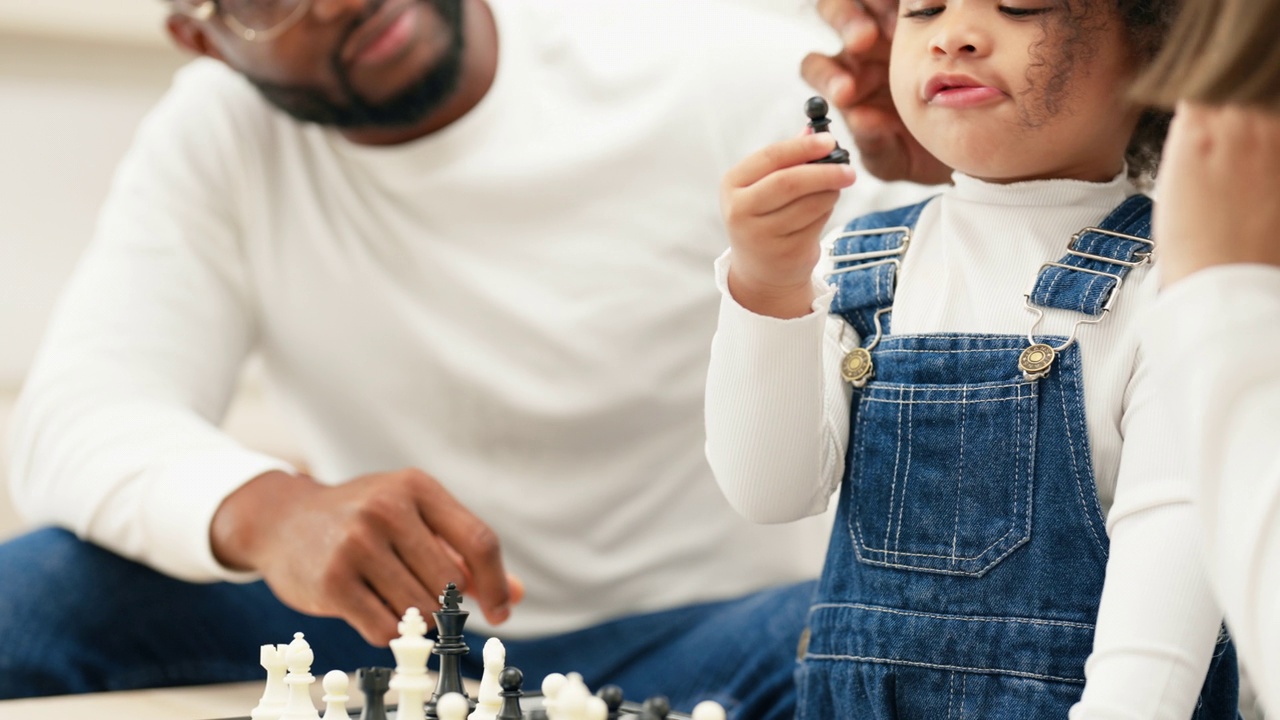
{"x":775,"y":206}
{"x":1219,"y":181}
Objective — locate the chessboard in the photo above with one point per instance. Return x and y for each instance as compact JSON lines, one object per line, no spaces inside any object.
{"x":501,"y":695}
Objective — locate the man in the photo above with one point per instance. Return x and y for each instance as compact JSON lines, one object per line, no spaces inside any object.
{"x":469,"y":238}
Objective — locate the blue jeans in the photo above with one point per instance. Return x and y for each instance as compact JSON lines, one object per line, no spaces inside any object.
{"x":77,"y":618}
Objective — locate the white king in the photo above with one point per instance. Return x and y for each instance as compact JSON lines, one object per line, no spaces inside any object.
{"x":412,"y":649}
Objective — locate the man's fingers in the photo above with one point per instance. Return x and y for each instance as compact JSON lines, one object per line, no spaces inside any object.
{"x":476,"y":544}
{"x":365,"y":611}
{"x":795,"y":152}
{"x":830,"y":78}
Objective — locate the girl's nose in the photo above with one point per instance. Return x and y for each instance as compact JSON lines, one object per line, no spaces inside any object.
{"x":959,"y":34}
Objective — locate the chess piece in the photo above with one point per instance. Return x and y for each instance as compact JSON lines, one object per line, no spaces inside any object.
{"x":374,"y":682}
{"x":335,"y":695}
{"x":411,"y":681}
{"x":571,"y":700}
{"x":655,"y":708}
{"x":276,"y":694}
{"x":453,"y":706}
{"x":708,"y":710}
{"x":816,"y":109}
{"x":490,"y":696}
{"x":298,"y":657}
{"x":596,"y":709}
{"x":450,"y":619}
{"x":612,"y":697}
{"x":512,"y":683}
{"x":551,"y":687}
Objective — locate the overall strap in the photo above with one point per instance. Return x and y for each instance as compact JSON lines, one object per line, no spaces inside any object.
{"x":867,"y":255}
{"x":1097,"y":261}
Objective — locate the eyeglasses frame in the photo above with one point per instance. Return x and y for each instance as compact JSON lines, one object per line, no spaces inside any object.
{"x":207,"y":9}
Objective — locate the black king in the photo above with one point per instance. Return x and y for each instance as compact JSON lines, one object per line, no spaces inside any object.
{"x":449,"y":646}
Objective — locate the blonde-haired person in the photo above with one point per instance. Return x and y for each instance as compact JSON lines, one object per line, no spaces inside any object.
{"x":1216,"y":328}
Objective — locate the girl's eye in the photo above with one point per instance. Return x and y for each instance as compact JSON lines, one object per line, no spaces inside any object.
{"x":927,"y":12}
{"x":1023,"y":12}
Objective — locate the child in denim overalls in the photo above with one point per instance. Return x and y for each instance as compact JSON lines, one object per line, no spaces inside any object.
{"x":978,"y":395}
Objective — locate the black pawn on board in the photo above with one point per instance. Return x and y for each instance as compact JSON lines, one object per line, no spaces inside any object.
{"x":655,"y":708}
{"x":511,"y":681}
{"x":612,"y":697}
{"x":450,"y":619}
{"x":374,"y":682}
{"x":816,"y":109}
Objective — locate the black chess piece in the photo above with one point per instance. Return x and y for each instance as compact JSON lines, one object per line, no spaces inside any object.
{"x":816,"y":109}
{"x":450,"y":619}
{"x":655,"y":708}
{"x":374,"y":682}
{"x":512,"y":683}
{"x":612,"y":697}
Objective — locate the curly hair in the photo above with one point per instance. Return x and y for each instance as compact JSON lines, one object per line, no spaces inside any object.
{"x":1146,"y":25}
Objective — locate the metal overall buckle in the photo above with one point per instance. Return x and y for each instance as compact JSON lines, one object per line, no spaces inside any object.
{"x":857,"y":368}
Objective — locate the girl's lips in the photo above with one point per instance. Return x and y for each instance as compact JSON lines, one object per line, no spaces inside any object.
{"x":965,"y":96}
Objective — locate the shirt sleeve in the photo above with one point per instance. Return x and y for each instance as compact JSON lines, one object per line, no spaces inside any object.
{"x":1214,"y":338}
{"x":1158,"y":622}
{"x":777,"y":423}
{"x":115,"y":435}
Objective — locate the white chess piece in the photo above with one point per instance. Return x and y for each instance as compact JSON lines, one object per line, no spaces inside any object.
{"x":272,"y":703}
{"x":597,"y":709}
{"x":335,"y":696}
{"x":571,"y":702}
{"x":489,"y":701}
{"x":708,"y":710}
{"x":299,"y":680}
{"x":551,"y":686}
{"x":452,"y":706}
{"x":411,"y":650}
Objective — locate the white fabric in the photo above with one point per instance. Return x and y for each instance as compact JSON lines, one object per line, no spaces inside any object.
{"x":778,"y":417}
{"x":516,"y":304}
{"x":1212,"y":339}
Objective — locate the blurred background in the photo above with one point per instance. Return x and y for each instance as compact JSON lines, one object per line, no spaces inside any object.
{"x":76,"y":77}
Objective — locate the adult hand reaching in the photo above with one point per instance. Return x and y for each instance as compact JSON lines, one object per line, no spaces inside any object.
{"x":365,"y":550}
{"x":855,"y":82}
{"x":1219,"y":180}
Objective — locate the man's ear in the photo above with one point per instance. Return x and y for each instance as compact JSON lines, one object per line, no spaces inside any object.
{"x":190,"y":35}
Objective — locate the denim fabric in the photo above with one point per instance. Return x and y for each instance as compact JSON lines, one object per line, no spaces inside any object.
{"x":76,"y":618}
{"x":969,"y":549}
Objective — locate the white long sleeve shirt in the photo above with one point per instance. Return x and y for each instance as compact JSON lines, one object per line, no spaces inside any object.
{"x":1212,"y":338}
{"x":778,"y":419}
{"x":516,"y":304}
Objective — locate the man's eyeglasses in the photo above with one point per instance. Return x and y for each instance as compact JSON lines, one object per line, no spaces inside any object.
{"x":253,"y":20}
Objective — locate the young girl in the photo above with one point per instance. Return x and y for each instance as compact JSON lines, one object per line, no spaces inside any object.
{"x":978,"y":396}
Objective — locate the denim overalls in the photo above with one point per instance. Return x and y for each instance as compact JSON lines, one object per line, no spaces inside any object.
{"x":969,"y":548}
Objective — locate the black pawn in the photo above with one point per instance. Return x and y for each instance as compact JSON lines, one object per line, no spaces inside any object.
{"x":374,"y":683}
{"x":612,"y":697}
{"x":450,"y":619}
{"x":655,"y":708}
{"x":816,"y":109}
{"x":511,"y":681}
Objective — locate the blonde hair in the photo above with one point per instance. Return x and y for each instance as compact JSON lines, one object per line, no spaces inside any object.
{"x":1219,"y":52}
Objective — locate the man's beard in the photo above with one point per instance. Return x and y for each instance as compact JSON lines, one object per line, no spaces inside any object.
{"x":409,"y":107}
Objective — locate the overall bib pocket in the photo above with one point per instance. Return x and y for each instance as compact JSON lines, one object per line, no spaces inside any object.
{"x":941,"y":475}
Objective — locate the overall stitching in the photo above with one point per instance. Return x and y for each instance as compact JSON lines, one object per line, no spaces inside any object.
{"x":939,"y":666}
{"x":906,"y":474}
{"x":961,"y":618}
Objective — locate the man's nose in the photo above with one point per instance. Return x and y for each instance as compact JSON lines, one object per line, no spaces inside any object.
{"x":327,"y":11}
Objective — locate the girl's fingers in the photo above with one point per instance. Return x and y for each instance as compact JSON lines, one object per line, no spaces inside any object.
{"x":778,"y":156}
{"x":780,"y":189}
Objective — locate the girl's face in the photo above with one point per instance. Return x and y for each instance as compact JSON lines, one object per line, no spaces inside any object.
{"x":1008,"y":90}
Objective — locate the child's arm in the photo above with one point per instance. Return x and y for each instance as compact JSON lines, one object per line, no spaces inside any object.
{"x":770,"y":405}
{"x":1158,"y":621}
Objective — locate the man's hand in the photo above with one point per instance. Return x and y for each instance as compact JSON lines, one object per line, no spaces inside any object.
{"x":775,"y":206}
{"x":365,"y":550}
{"x":1218,"y":186}
{"x":855,"y":82}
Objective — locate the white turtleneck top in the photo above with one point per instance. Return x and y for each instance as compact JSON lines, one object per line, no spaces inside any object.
{"x":778,"y":419}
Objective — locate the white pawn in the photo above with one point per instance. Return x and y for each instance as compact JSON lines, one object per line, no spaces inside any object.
{"x":708,"y":710}
{"x":335,"y":696}
{"x":299,"y":680}
{"x":272,"y":703}
{"x":551,"y":686}
{"x":597,"y":709}
{"x":411,"y":651}
{"x":571,"y":703}
{"x":489,"y":701}
{"x":452,"y":707}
